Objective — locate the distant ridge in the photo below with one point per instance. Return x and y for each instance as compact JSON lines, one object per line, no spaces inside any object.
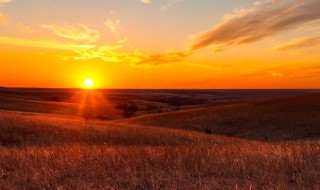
{"x":289,"y":118}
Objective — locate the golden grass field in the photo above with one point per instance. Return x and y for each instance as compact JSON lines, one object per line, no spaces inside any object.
{"x":260,"y":144}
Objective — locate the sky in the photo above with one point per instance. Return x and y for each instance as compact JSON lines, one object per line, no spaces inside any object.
{"x":160,"y":44}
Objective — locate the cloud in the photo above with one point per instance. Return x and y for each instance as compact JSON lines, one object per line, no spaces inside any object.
{"x":112,"y":53}
{"x":45,"y":44}
{"x":159,"y":59}
{"x":311,"y":26}
{"x":171,"y":3}
{"x":108,"y":53}
{"x":113,"y":25}
{"x":3,"y":18}
{"x":145,"y":1}
{"x":77,"y":32}
{"x":260,"y":3}
{"x":299,"y":43}
{"x":268,"y":73}
{"x":266,"y":19}
{"x":24,"y":28}
{"x":5,"y":1}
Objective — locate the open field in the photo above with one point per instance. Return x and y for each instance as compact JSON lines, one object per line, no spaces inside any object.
{"x":289,"y":118}
{"x":160,"y":95}
{"x":108,"y":104}
{"x":188,"y":140}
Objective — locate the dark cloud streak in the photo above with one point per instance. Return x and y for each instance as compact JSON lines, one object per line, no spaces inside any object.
{"x":266,"y":20}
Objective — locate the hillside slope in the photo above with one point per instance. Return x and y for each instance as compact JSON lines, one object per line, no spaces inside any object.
{"x":47,"y":151}
{"x":27,"y":129}
{"x":291,"y":118}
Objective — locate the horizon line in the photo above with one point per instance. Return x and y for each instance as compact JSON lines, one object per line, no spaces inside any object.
{"x":78,"y":88}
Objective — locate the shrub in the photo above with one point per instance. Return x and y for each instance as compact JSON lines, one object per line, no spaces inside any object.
{"x":130,"y":111}
{"x":152,"y":107}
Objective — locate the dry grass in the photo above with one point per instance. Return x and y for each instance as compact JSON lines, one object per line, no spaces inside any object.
{"x":164,"y":167}
{"x":294,"y":118}
{"x":41,"y":130}
{"x":40,"y":151}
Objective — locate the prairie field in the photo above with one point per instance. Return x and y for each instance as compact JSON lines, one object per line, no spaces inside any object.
{"x":159,"y":95}
{"x":58,"y":139}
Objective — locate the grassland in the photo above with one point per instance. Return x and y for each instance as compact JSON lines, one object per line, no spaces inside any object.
{"x":281,"y":119}
{"x":284,"y":166}
{"x":260,"y":144}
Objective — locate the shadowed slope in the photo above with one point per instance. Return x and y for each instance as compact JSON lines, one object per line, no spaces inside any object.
{"x":290,"y":118}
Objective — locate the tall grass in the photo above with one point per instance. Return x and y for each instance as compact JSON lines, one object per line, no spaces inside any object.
{"x":45,"y":152}
{"x":162,"y":167}
{"x":41,"y":130}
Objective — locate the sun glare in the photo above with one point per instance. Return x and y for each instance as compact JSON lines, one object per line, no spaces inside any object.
{"x":88,"y":83}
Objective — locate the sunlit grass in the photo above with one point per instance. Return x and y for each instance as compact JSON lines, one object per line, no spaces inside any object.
{"x":162,"y":167}
{"x":40,"y":151}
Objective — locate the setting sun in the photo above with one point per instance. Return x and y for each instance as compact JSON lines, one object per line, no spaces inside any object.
{"x":88,"y":83}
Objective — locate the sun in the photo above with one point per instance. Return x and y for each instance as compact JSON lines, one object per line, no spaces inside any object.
{"x":88,"y":83}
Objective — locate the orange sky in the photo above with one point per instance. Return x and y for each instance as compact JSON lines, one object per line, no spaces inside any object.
{"x":160,"y":44}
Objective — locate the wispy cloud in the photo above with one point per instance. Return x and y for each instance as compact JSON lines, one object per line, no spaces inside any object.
{"x":299,"y":43}
{"x":145,"y":1}
{"x":287,"y":70}
{"x":111,"y":53}
{"x":77,"y":32}
{"x":167,"y":5}
{"x":108,"y":53}
{"x":267,"y":72}
{"x":3,"y":18}
{"x":311,"y":26}
{"x":264,"y":2}
{"x":24,"y":28}
{"x":45,"y":44}
{"x":265,"y":20}
{"x":5,"y":1}
{"x":309,"y":72}
{"x":115,"y":54}
{"x":171,"y":3}
{"x":112,"y":25}
{"x":159,"y":59}
{"x":83,"y":45}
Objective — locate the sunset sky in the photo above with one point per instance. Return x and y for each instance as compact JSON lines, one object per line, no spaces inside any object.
{"x":218,"y":44}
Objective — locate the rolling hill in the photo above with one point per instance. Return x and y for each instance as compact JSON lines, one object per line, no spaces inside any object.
{"x":42,"y":150}
{"x":282,"y":119}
